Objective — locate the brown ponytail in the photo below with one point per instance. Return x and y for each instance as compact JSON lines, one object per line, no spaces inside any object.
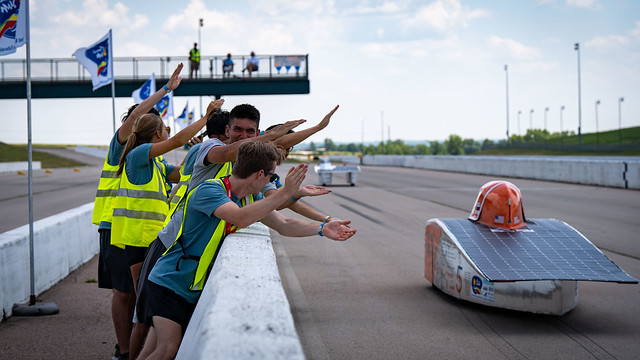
{"x":144,"y":129}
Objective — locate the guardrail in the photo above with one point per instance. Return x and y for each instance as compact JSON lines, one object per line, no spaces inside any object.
{"x":141,"y":67}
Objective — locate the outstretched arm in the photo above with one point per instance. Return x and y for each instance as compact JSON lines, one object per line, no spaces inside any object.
{"x":185,"y":134}
{"x":146,"y":105}
{"x":222,"y":154}
{"x":295,"y":138}
{"x":338,"y":230}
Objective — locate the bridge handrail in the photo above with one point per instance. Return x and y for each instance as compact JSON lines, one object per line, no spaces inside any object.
{"x":141,"y":67}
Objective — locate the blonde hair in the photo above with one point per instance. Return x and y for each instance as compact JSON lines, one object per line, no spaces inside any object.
{"x":144,"y":129}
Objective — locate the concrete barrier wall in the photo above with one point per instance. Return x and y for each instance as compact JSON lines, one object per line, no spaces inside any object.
{"x":589,"y":171}
{"x":19,"y":166}
{"x":62,"y":243}
{"x":243,"y":312}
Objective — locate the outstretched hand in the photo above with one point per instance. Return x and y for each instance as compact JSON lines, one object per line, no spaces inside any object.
{"x":175,"y":79}
{"x":311,"y":190}
{"x":294,"y":179}
{"x":325,"y":121}
{"x":284,"y":128}
{"x":214,"y":105}
{"x":338,"y":230}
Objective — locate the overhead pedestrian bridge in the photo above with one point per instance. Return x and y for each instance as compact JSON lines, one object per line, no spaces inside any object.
{"x":66,"y":78}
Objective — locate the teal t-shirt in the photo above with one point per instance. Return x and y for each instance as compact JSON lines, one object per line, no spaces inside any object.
{"x":199,"y":226}
{"x":139,"y":167}
{"x":190,"y":159}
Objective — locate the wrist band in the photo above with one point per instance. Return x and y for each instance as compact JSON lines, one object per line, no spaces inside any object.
{"x":326,"y":219}
{"x":320,"y":231}
{"x":294,"y":199}
{"x":166,"y":88}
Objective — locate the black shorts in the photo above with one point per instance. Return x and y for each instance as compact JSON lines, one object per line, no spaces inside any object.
{"x":113,"y":270}
{"x":156,"y":249}
{"x":165,"y":303}
{"x":135,"y":254}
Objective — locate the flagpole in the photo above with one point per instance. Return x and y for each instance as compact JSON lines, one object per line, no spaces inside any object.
{"x":32,"y":297}
{"x":113,"y":82}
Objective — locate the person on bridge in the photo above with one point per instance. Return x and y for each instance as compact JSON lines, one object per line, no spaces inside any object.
{"x":252,"y":64}
{"x":141,"y":204}
{"x":227,"y":66}
{"x":194,"y":61}
{"x":113,"y":271}
{"x":213,"y":210}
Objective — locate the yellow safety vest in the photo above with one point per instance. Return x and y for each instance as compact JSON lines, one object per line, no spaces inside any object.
{"x":140,"y":210}
{"x":205,"y":260}
{"x":184,"y":184}
{"x":106,"y":194}
{"x":195,"y":55}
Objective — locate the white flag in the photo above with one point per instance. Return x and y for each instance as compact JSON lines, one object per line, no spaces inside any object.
{"x":98,"y":60}
{"x":13,"y":26}
{"x":144,"y":91}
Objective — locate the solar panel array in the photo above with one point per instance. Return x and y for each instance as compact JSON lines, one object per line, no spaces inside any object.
{"x":547,"y":249}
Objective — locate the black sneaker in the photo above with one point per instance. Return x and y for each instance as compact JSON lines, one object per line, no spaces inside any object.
{"x":116,"y":355}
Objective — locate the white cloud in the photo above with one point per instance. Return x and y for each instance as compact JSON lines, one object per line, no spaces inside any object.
{"x":280,"y":7}
{"x":607,"y":42}
{"x":584,"y":4}
{"x":388,"y":7}
{"x":515,"y":49}
{"x":636,"y":31}
{"x":443,"y":15}
{"x":96,"y":13}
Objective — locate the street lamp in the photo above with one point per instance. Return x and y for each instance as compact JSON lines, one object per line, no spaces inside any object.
{"x":200,"y":24}
{"x":577,"y":48}
{"x":506,"y":75}
{"x":620,"y":100}
{"x":597,"y":138}
{"x":519,"y":112}
{"x":561,"y":133}
{"x":531,"y":119}
{"x":545,"y":117}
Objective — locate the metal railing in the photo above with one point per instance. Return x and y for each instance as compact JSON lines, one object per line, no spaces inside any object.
{"x":141,"y":67}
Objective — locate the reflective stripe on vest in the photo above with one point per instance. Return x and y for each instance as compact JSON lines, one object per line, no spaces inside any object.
{"x":139,"y":210}
{"x":106,"y":194}
{"x":205,"y":260}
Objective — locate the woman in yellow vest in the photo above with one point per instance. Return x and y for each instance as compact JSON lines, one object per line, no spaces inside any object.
{"x":141,"y":204}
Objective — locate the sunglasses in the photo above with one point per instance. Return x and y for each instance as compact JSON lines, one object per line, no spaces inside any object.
{"x":273,"y":178}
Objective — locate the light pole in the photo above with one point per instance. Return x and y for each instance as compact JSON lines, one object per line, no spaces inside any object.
{"x":561,"y":133}
{"x":545,"y":117}
{"x":200,"y":23}
{"x":519,"y":112}
{"x":620,"y":100}
{"x":506,"y":75}
{"x":597,"y":136}
{"x":577,"y":48}
{"x":531,"y":119}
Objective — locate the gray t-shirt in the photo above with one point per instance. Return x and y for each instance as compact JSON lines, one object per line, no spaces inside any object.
{"x":200,"y":174}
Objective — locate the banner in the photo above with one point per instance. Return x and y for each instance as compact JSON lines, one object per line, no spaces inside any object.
{"x":165,"y":106}
{"x":144,"y":91}
{"x":190,"y":118}
{"x":13,"y":26}
{"x":98,"y":60}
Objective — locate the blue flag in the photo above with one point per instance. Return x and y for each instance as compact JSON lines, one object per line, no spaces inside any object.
{"x":182,"y":119}
{"x":98,"y":60}
{"x":165,"y":106}
{"x":13,"y":26}
{"x":144,"y":91}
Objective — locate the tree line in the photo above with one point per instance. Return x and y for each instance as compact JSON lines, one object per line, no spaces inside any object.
{"x":454,"y":145}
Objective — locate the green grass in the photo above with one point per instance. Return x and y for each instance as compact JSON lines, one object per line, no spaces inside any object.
{"x":19,"y":153}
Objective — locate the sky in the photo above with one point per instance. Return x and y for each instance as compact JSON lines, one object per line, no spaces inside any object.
{"x":401,"y":69}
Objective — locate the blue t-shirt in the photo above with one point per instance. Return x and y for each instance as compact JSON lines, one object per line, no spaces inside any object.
{"x":139,"y":167}
{"x":190,"y":159}
{"x":113,"y":159}
{"x":198,"y":228}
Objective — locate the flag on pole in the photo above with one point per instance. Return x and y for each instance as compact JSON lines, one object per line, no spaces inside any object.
{"x":98,"y":60}
{"x":145,"y":90}
{"x":13,"y":26}
{"x":190,"y":118}
{"x":165,"y":106}
{"x":182,"y":119}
